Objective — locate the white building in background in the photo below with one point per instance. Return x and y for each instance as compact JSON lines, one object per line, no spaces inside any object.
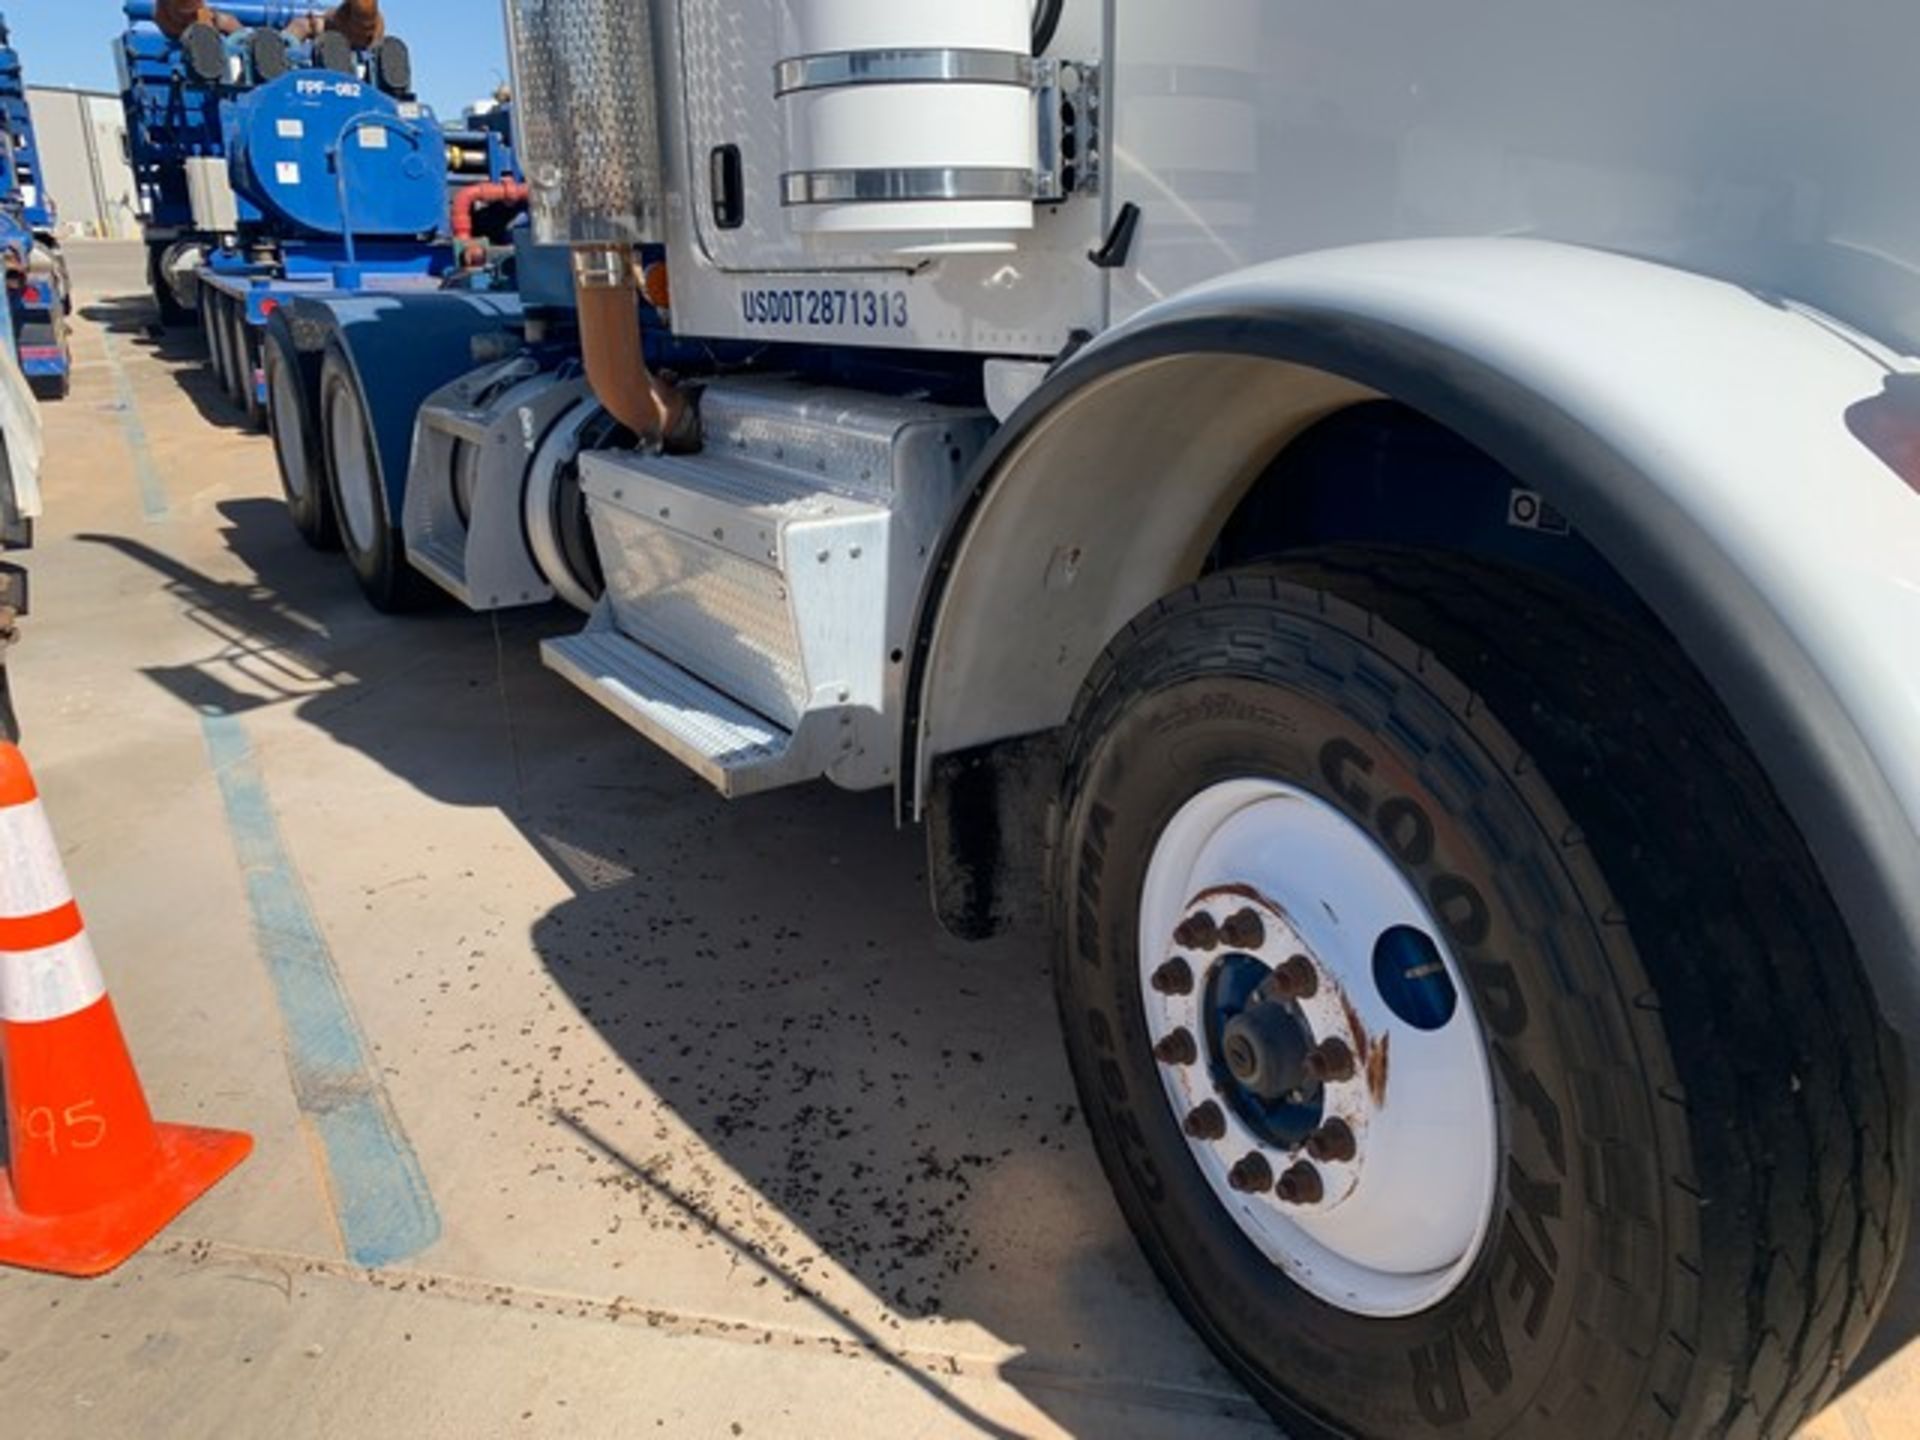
{"x":83,"y":149}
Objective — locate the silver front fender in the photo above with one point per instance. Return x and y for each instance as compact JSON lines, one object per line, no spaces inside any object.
{"x":1694,"y":431}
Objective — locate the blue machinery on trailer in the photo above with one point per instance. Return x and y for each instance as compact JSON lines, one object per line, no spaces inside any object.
{"x":343,"y":188}
{"x":273,"y":167}
{"x":37,"y":291}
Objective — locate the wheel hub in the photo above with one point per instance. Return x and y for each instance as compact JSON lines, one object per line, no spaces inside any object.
{"x":1267,"y":1039}
{"x":1266,"y":1047}
{"x":1350,"y":1134}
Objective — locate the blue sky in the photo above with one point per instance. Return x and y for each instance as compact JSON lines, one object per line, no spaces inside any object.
{"x":459,"y":48}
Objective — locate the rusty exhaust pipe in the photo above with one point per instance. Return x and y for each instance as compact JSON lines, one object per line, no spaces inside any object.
{"x":607,"y":286}
{"x":175,"y":17}
{"x":360,"y":21}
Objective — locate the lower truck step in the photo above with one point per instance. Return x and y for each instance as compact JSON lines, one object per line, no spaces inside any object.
{"x":759,"y":594}
{"x":735,"y":750}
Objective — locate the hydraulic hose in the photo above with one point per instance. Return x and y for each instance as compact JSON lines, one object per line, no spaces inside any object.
{"x":1046,"y":20}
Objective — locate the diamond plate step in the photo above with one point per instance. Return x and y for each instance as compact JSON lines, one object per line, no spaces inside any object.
{"x":734,"y":749}
{"x":779,"y":567}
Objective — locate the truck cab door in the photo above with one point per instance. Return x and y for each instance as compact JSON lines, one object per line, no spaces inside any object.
{"x":959,"y":247}
{"x":737,"y":145}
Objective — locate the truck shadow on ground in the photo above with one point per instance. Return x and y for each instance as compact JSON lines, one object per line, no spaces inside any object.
{"x":884,"y":1104}
{"x":181,"y":349}
{"x":938,"y":1181}
{"x":896,"y":1100}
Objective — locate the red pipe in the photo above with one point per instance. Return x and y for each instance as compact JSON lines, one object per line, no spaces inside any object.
{"x":468,"y":198}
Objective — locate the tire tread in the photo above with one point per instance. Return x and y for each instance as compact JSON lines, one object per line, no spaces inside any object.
{"x":1814,"y":1284}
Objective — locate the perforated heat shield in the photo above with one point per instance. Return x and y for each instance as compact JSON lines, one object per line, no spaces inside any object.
{"x":586,"y":109}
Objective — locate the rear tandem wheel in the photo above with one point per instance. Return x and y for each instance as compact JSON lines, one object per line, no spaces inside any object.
{"x":368,"y":532}
{"x":293,"y":389}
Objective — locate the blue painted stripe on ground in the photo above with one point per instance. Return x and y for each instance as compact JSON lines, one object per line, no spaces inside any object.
{"x":153,"y":492}
{"x":379,"y":1192}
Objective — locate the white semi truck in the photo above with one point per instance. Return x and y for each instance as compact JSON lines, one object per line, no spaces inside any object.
{"x":1390,"y":529}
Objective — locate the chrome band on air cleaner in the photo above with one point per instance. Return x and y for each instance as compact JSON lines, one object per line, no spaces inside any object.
{"x":941,"y":66}
{"x":879,"y":186}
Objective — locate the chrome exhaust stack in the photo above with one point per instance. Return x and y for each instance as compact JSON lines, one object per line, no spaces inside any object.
{"x":587,"y":107}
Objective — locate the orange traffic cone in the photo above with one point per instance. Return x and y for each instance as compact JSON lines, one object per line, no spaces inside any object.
{"x":92,"y":1177}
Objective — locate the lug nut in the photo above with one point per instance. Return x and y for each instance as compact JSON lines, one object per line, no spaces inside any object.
{"x":1173,"y":978}
{"x":1251,"y":1174}
{"x":1205,"y":1122}
{"x":1197,"y":932}
{"x":1294,"y":979}
{"x":1330,"y":1060}
{"x":1332,"y":1143}
{"x":1300,"y":1185}
{"x":1243,"y":931}
{"x":1176,"y":1048}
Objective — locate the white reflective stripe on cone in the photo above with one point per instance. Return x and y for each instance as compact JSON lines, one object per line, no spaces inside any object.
{"x":50,"y":983}
{"x":32,"y":879}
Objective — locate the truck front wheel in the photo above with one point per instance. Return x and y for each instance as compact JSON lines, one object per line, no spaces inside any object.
{"x":1471,"y":1061}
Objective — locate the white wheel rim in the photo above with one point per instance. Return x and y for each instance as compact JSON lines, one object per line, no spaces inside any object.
{"x":289,"y":435}
{"x":1398,"y":1225}
{"x":347,"y":432}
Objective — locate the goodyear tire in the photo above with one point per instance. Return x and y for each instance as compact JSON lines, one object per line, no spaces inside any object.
{"x":1686,"y":1200}
{"x":368,"y":534}
{"x":293,"y":387}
